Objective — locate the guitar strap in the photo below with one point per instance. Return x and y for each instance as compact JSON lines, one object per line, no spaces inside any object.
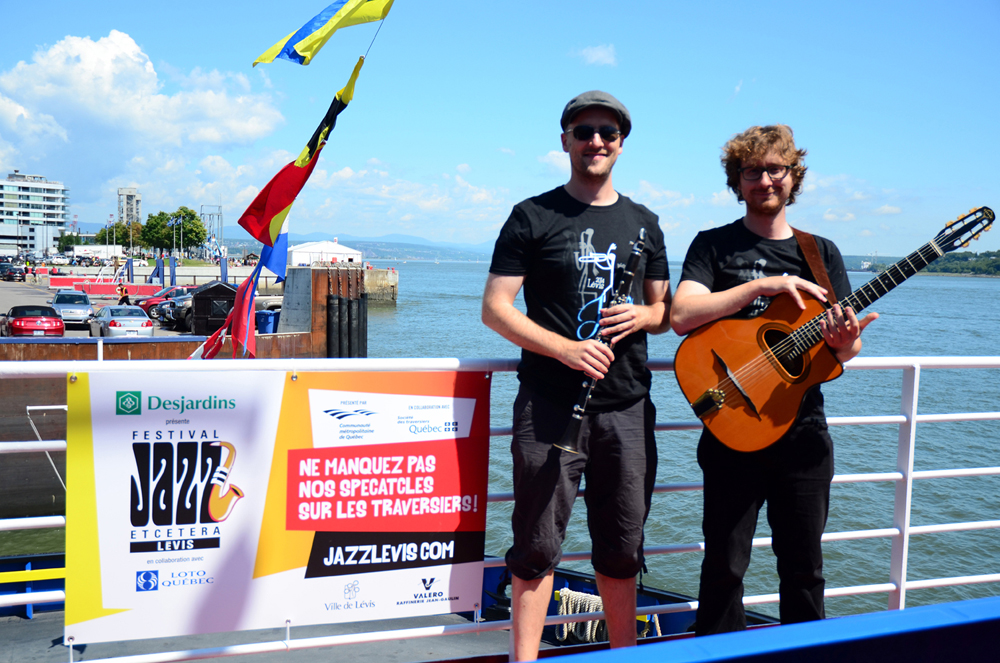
{"x":811,"y":252}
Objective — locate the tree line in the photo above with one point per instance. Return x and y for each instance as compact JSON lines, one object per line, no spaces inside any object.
{"x":986,"y":263}
{"x":154,"y":234}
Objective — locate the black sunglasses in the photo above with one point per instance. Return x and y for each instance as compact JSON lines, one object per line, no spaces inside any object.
{"x":609,"y":134}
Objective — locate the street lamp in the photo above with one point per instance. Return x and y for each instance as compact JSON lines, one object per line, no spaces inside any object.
{"x":114,"y":238}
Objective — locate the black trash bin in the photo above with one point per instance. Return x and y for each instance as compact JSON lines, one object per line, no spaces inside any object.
{"x":210,"y":304}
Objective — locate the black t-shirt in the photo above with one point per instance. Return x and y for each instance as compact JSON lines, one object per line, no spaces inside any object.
{"x":572,"y":256}
{"x":728,"y":256}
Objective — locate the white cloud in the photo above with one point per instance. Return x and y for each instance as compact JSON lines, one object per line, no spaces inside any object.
{"x":463,"y":168}
{"x":888,"y":209}
{"x":112,"y":82}
{"x":736,"y":91}
{"x":866,"y":233}
{"x":476,"y":194}
{"x":599,"y":55}
{"x":724,"y":198}
{"x":98,"y":113}
{"x":830,"y":215}
{"x":656,"y":198}
{"x":557,"y":161}
{"x":507,"y":150}
{"x":16,"y":119}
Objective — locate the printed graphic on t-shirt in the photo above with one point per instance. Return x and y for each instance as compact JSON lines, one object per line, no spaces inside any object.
{"x":597,"y":276}
{"x":757,"y":306}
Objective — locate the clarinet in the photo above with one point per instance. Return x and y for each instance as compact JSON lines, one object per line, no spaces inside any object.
{"x":569,"y":440}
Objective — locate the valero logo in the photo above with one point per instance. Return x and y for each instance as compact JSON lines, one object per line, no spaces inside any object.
{"x":128,"y":402}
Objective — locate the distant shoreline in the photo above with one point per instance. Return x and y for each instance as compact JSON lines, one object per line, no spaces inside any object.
{"x":926,"y":273}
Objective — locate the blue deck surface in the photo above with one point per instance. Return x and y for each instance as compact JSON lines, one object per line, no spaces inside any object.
{"x":965,"y":631}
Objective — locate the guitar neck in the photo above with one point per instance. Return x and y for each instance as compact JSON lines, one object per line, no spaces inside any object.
{"x":810,"y":334}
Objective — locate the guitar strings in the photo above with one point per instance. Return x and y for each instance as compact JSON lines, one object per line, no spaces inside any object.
{"x":810,"y":333}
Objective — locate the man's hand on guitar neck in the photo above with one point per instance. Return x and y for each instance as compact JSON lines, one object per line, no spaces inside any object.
{"x":842,"y":331}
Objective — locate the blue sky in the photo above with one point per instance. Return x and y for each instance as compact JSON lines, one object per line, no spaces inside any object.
{"x":455,"y":116}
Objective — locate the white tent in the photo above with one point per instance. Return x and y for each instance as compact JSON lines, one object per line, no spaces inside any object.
{"x":325,"y":251}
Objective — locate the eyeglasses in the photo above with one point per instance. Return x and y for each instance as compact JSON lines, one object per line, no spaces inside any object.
{"x":609,"y":134}
{"x":776,"y":173}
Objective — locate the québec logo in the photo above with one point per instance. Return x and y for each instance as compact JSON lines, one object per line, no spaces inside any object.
{"x":147,"y":581}
{"x":128,"y":402}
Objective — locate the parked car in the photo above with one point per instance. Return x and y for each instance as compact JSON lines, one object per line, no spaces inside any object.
{"x":14,"y":274}
{"x":176,"y":313}
{"x":59,"y":260}
{"x":32,"y":321}
{"x":113,"y":321}
{"x":73,"y":306}
{"x":147,"y":303}
{"x":4,"y":268}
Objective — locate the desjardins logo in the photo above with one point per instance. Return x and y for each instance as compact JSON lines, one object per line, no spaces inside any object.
{"x":128,"y":402}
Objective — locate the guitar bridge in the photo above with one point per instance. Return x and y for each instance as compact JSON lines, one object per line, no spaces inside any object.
{"x":708,"y":402}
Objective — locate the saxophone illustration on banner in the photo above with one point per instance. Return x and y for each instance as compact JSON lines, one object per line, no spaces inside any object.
{"x":224,"y":496}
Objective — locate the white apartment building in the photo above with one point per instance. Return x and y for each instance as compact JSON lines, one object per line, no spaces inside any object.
{"x":33,"y":213}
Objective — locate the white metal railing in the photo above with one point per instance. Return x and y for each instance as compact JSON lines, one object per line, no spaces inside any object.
{"x":903,"y":477}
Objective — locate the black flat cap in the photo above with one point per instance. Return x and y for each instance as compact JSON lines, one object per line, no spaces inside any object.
{"x":597,"y":98}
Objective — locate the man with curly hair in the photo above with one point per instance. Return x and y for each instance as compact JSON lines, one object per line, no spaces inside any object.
{"x":735,"y":270}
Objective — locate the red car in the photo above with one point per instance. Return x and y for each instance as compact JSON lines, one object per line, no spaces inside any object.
{"x":32,"y":321}
{"x":162,"y":296}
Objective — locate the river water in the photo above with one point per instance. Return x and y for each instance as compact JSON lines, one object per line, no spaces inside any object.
{"x":438,"y":315}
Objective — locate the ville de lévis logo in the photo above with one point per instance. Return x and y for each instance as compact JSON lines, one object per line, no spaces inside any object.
{"x":128,"y":402}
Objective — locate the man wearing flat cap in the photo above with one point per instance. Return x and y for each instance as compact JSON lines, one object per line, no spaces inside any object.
{"x":567,"y":248}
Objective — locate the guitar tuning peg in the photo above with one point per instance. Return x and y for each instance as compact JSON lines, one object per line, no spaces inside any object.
{"x":949,"y":224}
{"x":965,"y":245}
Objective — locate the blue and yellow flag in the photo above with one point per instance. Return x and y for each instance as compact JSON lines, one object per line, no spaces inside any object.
{"x":302,"y":45}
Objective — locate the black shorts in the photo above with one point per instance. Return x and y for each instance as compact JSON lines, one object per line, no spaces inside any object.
{"x":617,"y":457}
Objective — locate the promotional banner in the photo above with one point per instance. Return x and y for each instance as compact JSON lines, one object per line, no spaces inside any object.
{"x":207,"y":502}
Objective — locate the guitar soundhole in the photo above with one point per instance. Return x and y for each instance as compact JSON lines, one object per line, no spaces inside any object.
{"x":792,"y":364}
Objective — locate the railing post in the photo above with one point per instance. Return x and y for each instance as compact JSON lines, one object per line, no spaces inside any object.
{"x":904,"y":487}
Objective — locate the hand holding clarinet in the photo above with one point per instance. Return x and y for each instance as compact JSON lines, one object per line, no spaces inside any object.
{"x":569,"y":441}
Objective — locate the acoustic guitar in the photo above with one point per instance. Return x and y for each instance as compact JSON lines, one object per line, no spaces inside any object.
{"x":746,"y":378}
